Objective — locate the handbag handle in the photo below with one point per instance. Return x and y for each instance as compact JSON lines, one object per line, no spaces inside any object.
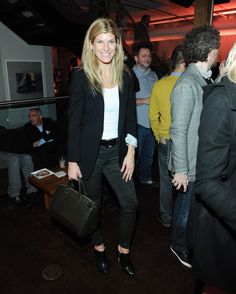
{"x":78,"y":185}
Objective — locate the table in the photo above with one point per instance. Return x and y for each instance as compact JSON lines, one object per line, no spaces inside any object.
{"x":48,"y":185}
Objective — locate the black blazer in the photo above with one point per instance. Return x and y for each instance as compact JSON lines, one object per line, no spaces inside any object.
{"x":86,"y":116}
{"x":33,"y":134}
{"x":212,"y":217}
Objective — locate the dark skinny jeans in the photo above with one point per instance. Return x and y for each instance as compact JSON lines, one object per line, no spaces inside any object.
{"x":108,"y":164}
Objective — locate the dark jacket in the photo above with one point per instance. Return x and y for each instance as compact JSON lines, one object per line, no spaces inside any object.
{"x":14,"y":141}
{"x":212,"y":219}
{"x":86,"y":116}
{"x":33,"y":134}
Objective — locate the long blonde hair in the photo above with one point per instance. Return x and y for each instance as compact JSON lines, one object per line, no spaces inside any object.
{"x":89,"y":60}
{"x":230,"y":65}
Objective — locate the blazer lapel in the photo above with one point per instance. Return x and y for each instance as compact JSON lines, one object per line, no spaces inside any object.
{"x":99,"y":104}
{"x":122,"y":107}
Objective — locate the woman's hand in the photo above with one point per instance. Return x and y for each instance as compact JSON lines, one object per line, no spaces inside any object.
{"x":74,"y":171}
{"x":128,"y":164}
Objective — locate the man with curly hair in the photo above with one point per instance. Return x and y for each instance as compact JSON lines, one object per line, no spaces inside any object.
{"x":200,"y":51}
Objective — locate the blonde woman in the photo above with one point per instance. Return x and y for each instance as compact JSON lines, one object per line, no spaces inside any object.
{"x":212,"y":222}
{"x":102,"y":132}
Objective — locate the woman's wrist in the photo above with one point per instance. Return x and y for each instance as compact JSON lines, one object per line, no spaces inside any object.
{"x":131,"y":149}
{"x":72,"y":163}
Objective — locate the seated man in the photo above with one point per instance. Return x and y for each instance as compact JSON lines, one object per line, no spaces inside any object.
{"x":18,"y":165}
{"x":39,"y":131}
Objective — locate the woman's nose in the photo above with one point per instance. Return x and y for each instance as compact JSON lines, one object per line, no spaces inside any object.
{"x":106,"y":46}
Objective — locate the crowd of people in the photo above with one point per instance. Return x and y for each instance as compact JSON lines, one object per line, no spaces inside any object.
{"x":186,"y":114}
{"x":168,"y":110}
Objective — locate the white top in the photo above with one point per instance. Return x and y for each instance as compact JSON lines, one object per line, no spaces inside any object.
{"x":111,"y":113}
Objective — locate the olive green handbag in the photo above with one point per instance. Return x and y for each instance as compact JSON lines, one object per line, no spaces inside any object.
{"x":72,"y":208}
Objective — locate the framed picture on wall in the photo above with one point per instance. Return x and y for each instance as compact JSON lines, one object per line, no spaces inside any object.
{"x":24,"y":79}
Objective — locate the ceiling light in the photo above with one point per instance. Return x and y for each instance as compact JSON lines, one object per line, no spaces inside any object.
{"x":225,"y":12}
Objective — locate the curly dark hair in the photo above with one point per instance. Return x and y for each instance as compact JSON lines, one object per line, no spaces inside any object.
{"x":199,"y":42}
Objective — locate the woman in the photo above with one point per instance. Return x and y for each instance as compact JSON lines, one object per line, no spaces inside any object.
{"x":102,"y":131}
{"x":212,"y":223}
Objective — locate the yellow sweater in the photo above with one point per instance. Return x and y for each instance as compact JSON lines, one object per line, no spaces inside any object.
{"x":159,"y":106}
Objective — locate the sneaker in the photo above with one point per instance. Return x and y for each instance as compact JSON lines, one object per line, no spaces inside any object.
{"x":182,"y":256}
{"x":150,"y":182}
{"x":164,"y":224}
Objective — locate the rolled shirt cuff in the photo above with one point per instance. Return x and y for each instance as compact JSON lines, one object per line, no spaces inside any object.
{"x":131,"y":140}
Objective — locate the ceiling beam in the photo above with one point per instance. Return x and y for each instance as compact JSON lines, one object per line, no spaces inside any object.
{"x":203,"y":12}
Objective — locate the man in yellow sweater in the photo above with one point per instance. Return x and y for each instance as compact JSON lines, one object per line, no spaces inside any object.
{"x":160,"y":120}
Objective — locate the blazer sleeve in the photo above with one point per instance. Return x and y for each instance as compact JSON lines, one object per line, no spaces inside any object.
{"x":75,"y":114}
{"x":213,"y":159}
{"x":182,"y":104}
{"x":131,"y":117}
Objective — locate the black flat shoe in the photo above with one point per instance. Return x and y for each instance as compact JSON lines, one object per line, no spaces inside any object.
{"x":17,"y":201}
{"x":102,"y":262}
{"x":126,"y":264}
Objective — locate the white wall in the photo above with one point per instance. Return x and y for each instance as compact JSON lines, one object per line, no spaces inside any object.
{"x":13,"y":48}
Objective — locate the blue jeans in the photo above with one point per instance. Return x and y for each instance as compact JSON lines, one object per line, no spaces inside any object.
{"x":146,"y":146}
{"x":108,"y":164}
{"x":17,"y":164}
{"x":180,"y":219}
{"x":166,"y":187}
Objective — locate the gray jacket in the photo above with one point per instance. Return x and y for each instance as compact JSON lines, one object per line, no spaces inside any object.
{"x":186,"y":107}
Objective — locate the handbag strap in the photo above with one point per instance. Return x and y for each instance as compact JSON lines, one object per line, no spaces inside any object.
{"x":78,"y":185}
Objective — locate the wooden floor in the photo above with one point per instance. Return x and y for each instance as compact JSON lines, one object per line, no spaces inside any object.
{"x":30,"y":242}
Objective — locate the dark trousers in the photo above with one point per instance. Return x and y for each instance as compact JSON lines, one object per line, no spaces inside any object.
{"x":146,"y":146}
{"x":45,"y":155}
{"x":166,"y":187}
{"x":108,"y":164}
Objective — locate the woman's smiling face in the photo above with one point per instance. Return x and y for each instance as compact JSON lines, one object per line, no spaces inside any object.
{"x":104,"y":47}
